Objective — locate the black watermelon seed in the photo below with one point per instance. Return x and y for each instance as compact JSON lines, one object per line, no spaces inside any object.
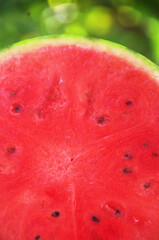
{"x":155,"y":154}
{"x":147,"y":184}
{"x":128,"y":103}
{"x":95,"y":219}
{"x":101,"y":120}
{"x":127,"y":170}
{"x":128,"y":155}
{"x":17,"y":108}
{"x":55,"y":214}
{"x":37,"y":237}
{"x":11,"y":150}
{"x":117,"y":212}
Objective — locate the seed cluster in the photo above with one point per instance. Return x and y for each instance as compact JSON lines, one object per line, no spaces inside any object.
{"x":126,"y":170}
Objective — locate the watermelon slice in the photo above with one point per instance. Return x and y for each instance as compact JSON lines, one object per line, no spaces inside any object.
{"x":79,"y":142}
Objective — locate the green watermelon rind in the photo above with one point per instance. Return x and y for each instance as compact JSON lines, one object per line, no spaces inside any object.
{"x":29,"y":45}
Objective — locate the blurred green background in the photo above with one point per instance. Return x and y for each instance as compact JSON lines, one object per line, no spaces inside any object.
{"x":133,"y":23}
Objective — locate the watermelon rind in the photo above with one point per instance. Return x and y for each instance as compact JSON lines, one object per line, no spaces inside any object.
{"x":29,"y":45}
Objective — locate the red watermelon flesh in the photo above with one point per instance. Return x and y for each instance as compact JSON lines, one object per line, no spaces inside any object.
{"x":79,"y":142}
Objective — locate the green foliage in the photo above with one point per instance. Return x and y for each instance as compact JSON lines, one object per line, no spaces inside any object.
{"x":132,"y":23}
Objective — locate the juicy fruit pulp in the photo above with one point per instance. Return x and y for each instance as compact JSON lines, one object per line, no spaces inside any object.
{"x":79,"y":145}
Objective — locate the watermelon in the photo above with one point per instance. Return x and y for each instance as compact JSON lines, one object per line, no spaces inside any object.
{"x":79,"y":141}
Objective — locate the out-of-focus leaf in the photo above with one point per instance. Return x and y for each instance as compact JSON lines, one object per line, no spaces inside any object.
{"x":98,"y":21}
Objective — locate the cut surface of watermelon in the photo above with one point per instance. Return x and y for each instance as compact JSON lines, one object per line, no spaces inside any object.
{"x":79,"y":142}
